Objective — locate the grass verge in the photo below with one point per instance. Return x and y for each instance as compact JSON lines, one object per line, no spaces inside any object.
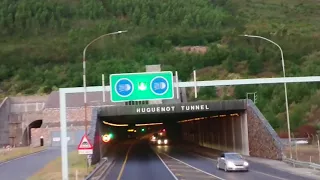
{"x":6,"y":155}
{"x":52,"y":171}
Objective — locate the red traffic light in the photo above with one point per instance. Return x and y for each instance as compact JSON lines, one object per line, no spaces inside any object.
{"x":163,"y":130}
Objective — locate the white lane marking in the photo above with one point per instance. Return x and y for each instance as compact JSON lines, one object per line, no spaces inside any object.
{"x":22,"y":157}
{"x":193,"y":167}
{"x":175,"y":177}
{"x":250,"y":170}
{"x":268,"y":175}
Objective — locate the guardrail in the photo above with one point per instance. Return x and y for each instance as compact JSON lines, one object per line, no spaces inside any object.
{"x":100,"y":171}
{"x":304,"y":164}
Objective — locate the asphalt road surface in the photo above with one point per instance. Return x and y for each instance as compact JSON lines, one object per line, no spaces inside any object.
{"x":22,"y":168}
{"x":140,"y":161}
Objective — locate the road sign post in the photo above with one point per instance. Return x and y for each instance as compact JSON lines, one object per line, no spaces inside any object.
{"x":141,"y":86}
{"x":85,"y":146}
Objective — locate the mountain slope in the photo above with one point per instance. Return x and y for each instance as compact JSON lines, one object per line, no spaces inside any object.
{"x":41,"y":43}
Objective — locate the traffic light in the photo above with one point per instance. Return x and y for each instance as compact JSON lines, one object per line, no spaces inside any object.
{"x":163,"y":130}
{"x":142,"y":129}
{"x":107,"y":137}
{"x":255,"y":97}
{"x":111,"y":135}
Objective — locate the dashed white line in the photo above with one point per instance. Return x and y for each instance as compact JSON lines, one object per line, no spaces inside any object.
{"x":175,"y":177}
{"x":193,"y":167}
{"x":250,"y":170}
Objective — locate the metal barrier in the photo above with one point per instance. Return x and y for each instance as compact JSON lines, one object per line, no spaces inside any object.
{"x":304,"y":164}
{"x":100,"y":171}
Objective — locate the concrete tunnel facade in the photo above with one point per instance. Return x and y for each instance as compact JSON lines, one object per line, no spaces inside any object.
{"x":221,"y":132}
{"x":233,"y":125}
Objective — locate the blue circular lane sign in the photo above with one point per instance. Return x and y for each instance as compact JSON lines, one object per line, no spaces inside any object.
{"x":124,"y":87}
{"x":159,"y":85}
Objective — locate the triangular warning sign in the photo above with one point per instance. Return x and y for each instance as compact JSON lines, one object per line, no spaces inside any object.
{"x":84,"y":143}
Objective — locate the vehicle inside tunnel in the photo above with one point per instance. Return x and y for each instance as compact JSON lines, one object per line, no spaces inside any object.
{"x":221,"y":126}
{"x":215,"y":125}
{"x":183,"y":137}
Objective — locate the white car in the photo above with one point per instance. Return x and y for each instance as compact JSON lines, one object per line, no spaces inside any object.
{"x":232,"y":161}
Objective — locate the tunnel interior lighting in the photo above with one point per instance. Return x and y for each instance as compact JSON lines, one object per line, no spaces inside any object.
{"x":149,"y":124}
{"x":210,"y":117}
{"x":214,"y":116}
{"x":112,"y":124}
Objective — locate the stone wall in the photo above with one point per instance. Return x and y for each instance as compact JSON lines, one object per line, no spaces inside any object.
{"x":46,"y":133}
{"x":28,"y":99}
{"x":51,"y":115}
{"x":51,"y":123}
{"x":4,"y":121}
{"x":263,"y":140}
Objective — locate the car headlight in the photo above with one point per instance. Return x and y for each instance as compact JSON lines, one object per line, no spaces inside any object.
{"x":165,"y":141}
{"x":230,"y":164}
{"x":246,"y":164}
{"x":159,"y":141}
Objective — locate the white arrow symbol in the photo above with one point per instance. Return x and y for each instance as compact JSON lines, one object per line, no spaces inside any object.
{"x":142,"y":87}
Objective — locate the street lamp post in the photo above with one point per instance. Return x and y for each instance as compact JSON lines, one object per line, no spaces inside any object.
{"x":84,"y":73}
{"x":285,"y":85}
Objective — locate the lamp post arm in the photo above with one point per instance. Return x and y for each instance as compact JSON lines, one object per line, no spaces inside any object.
{"x":84,"y":72}
{"x":85,"y":49}
{"x":282,"y":56}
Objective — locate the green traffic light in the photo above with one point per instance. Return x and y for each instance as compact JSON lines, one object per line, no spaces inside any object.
{"x":111,"y":135}
{"x":142,"y":129}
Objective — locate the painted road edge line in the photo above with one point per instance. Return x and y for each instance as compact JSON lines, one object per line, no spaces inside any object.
{"x":21,"y":157}
{"x":193,"y":167}
{"x":107,"y":169}
{"x":250,"y":169}
{"x":124,"y":163}
{"x":175,"y":177}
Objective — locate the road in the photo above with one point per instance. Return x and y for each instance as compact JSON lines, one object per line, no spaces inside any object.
{"x":140,"y":161}
{"x":22,"y":168}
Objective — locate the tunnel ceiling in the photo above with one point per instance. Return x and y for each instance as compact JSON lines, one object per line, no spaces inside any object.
{"x":169,"y":112}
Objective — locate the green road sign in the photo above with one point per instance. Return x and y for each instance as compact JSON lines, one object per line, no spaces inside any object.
{"x":141,"y":86}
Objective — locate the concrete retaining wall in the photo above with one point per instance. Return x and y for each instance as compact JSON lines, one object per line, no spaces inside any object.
{"x":4,"y":121}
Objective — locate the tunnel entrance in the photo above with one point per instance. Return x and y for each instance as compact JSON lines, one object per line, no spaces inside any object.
{"x":220,"y":125}
{"x":27,"y":140}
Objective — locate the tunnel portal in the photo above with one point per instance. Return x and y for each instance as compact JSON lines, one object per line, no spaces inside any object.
{"x":232,"y":125}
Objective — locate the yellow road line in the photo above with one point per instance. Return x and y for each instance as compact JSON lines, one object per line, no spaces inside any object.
{"x":124,"y":163}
